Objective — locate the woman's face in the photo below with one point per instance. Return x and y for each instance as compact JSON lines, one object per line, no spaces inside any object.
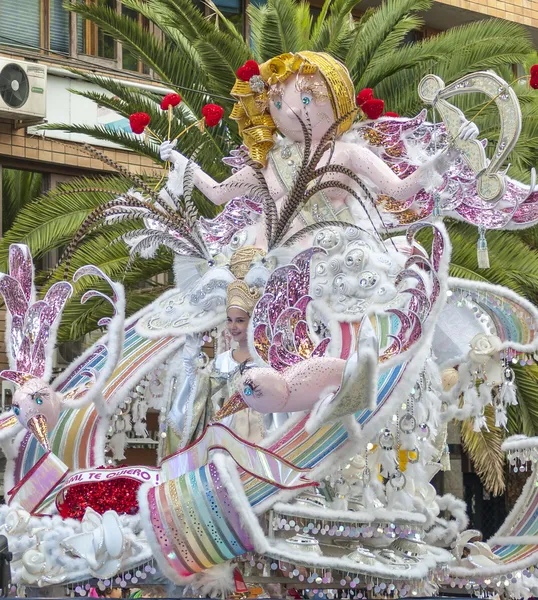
{"x":302,"y":97}
{"x":238,"y":324}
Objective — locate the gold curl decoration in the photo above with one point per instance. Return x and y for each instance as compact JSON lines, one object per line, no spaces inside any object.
{"x":251,"y":111}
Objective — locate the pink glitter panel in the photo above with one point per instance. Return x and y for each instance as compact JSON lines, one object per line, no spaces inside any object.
{"x":410,"y":274}
{"x":277,"y":286}
{"x":261,"y":342}
{"x":303,"y":343}
{"x":420,"y":261}
{"x":15,"y":376}
{"x":419,"y":303}
{"x":56,"y":297}
{"x":416,"y":333}
{"x":21,"y":268}
{"x":13,"y":296}
{"x":24,"y":358}
{"x":33,"y":320}
{"x":39,"y":359}
{"x":321,"y":348}
{"x":260,"y":313}
{"x":405,"y":322}
{"x":17,"y":324}
{"x":275,"y":361}
{"x":238,"y":214}
{"x":284,"y":356}
{"x":38,"y":352}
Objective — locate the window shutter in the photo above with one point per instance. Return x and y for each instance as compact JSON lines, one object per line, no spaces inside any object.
{"x":59,"y":27}
{"x":19,"y":23}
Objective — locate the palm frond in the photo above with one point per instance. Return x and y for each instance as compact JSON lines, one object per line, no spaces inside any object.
{"x":484,"y":449}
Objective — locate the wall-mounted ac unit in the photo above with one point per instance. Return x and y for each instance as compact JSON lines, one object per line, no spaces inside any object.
{"x":23,"y":91}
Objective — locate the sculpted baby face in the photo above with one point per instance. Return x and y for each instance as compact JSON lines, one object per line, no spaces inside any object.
{"x":301,"y":97}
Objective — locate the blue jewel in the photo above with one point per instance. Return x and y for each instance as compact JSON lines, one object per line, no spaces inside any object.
{"x":16,"y":410}
{"x":39,"y":400}
{"x":278,"y":104}
{"x":306,"y":100}
{"x":248,"y":390}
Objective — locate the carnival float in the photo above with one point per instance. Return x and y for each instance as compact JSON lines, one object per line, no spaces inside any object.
{"x":298,"y":459}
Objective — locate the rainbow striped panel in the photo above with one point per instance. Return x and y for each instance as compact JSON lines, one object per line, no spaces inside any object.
{"x":195,"y":523}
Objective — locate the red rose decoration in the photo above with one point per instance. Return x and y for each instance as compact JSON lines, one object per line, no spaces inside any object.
{"x":373,"y":108}
{"x":364,"y":95}
{"x":534,"y":71}
{"x":212,"y":114}
{"x":139,"y":122}
{"x":248,"y":70}
{"x":170,"y":100}
{"x":391,"y":114}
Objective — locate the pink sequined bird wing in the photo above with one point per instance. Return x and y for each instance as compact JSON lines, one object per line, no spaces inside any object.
{"x":30,"y":324}
{"x":280,"y":330}
{"x":420,"y":283}
{"x":238,"y":214}
{"x":404,"y":144}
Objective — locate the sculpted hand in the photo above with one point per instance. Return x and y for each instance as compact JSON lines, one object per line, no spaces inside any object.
{"x":167,"y":152}
{"x":180,"y":162}
{"x":468,"y":131}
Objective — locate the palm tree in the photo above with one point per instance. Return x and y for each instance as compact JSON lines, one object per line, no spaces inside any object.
{"x":198,"y":58}
{"x":18,"y":189}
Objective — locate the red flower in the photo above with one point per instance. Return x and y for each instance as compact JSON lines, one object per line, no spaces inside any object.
{"x":391,"y":114}
{"x":170,"y":100}
{"x":212,"y":114}
{"x":364,"y":95}
{"x":534,"y":71}
{"x":139,"y":122}
{"x":373,"y":108}
{"x":248,"y":70}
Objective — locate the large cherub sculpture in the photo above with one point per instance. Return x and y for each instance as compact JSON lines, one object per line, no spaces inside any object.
{"x":309,"y":98}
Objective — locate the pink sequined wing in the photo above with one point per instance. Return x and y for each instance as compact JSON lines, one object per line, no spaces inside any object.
{"x":280,"y":330}
{"x":399,"y":141}
{"x":420,"y":273}
{"x":31,"y":322}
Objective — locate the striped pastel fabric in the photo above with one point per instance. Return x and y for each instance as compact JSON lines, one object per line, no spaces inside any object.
{"x":73,"y":438}
{"x":526,"y":524}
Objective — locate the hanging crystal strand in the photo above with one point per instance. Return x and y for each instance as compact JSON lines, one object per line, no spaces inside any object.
{"x":482,"y":249}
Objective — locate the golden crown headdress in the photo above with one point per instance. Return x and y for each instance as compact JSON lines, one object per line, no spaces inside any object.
{"x":240,"y":295}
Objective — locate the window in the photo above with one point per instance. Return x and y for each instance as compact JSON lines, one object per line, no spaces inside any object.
{"x":93,"y":41}
{"x":128,"y":60}
{"x":26,"y":16}
{"x":233,"y":11}
{"x":39,"y":24}
{"x":58,"y":27}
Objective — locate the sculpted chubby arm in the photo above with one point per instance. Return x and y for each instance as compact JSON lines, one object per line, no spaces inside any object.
{"x":365,"y":163}
{"x":239,"y":184}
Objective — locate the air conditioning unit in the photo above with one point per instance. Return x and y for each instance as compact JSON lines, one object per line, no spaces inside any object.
{"x":23,"y":91}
